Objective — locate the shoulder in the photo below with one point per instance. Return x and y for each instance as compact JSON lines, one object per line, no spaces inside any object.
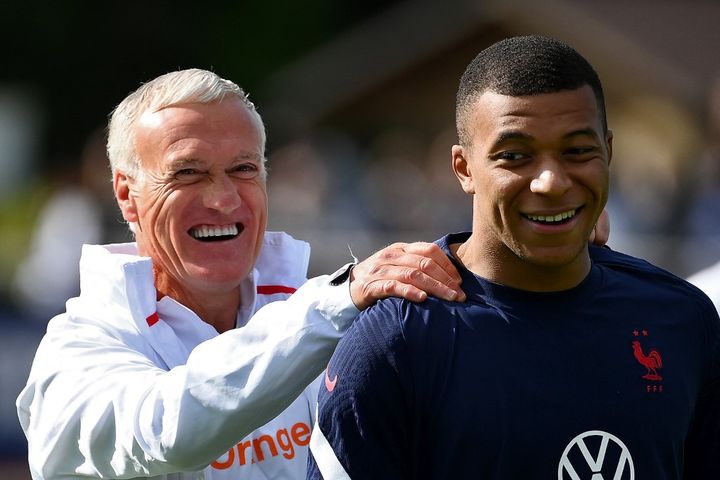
{"x":400,"y":316}
{"x":378,"y":331}
{"x":379,"y":326}
{"x":396,"y":327}
{"x":622,"y":261}
{"x":636,"y":276}
{"x":633,"y":267}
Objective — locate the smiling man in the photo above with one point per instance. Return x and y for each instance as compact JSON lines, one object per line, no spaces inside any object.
{"x":567,"y":360}
{"x":166,"y":366}
{"x":200,"y":202}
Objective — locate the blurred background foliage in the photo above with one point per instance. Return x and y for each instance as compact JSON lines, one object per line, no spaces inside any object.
{"x":358,"y":101}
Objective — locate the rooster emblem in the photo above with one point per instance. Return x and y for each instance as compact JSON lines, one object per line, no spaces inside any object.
{"x":652,"y":361}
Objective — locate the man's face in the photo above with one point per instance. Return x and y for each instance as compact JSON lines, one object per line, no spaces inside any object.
{"x":201,"y":204}
{"x":538,"y":168}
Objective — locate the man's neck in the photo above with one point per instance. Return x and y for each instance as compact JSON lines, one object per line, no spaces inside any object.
{"x":501,"y":265}
{"x":218,"y":309}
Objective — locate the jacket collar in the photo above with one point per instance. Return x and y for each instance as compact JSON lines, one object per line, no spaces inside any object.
{"x":120,"y":277}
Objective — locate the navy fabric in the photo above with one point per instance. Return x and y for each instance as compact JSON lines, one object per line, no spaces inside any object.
{"x":596,"y":380}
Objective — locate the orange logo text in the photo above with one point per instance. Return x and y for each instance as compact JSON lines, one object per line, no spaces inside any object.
{"x":257,"y":449}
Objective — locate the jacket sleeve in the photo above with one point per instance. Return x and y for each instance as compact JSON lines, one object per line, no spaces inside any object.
{"x":97,"y":405}
{"x":364,"y":421}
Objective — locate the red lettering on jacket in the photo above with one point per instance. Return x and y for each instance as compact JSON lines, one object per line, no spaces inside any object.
{"x":266,"y":446}
{"x":301,"y":433}
{"x":286,"y":444}
{"x":257,"y":447}
{"x":222,"y":465}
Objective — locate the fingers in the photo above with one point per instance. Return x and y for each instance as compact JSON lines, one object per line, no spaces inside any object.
{"x":411,"y":271}
{"x":434,"y":262}
{"x":601,"y":233}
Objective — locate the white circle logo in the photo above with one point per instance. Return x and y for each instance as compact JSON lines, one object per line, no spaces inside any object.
{"x":596,"y":455}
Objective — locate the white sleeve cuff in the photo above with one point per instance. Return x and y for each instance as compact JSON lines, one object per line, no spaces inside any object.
{"x":335,"y":302}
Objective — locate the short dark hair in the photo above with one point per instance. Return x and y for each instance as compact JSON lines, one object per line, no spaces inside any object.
{"x":520,"y":66}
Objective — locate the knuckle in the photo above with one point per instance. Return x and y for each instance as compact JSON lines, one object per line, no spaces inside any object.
{"x":412,"y":275}
{"x":388,"y":287}
{"x":435,"y":249}
{"x":425,"y":264}
{"x":366,"y":290}
{"x":424,"y":246}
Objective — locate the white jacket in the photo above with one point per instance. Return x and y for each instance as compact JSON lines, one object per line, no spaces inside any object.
{"x":125,"y":386}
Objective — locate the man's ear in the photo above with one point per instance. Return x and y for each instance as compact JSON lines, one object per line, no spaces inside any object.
{"x":608,"y":141}
{"x":122,"y":184}
{"x":461,"y":168}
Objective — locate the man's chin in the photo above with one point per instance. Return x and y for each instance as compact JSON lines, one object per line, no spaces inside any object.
{"x":555,"y":256}
{"x":218,"y":277}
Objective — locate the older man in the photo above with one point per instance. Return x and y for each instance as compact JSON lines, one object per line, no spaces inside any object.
{"x":147,"y":373}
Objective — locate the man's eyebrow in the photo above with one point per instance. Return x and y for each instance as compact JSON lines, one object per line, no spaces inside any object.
{"x":180,"y":163}
{"x":248,"y":156}
{"x":583,"y":132}
{"x":512,"y":135}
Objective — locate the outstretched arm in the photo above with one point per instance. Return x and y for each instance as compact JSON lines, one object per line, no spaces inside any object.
{"x":99,"y":402}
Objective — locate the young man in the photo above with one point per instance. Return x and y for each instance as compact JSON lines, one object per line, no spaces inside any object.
{"x":148,"y":374}
{"x":566,"y":361}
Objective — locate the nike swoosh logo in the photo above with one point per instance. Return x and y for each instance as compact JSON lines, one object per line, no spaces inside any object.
{"x":330,"y":384}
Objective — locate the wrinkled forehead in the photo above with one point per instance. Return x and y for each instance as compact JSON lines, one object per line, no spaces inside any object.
{"x":228,"y":116}
{"x":214,"y":129}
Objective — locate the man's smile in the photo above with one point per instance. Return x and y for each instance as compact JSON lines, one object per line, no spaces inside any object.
{"x":555,"y":219}
{"x":216,"y":233}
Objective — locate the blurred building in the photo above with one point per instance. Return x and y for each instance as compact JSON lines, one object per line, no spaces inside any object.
{"x":387,"y":87}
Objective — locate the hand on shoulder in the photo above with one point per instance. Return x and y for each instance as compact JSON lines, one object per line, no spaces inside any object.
{"x":407,"y":270}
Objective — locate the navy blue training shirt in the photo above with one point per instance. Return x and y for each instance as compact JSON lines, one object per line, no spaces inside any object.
{"x":615,"y":379}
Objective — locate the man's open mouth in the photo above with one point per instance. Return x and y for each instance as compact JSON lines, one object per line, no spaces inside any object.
{"x":216,"y":233}
{"x":557,"y":219}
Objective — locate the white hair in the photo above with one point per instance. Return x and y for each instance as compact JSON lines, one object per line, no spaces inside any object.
{"x":174,"y":88}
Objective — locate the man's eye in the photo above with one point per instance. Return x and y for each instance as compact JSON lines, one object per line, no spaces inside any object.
{"x":246,"y":170}
{"x":510,"y":156}
{"x":581,"y":153}
{"x":187,"y":174}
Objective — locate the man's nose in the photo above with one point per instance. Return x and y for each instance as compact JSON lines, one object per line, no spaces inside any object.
{"x":221,"y":194}
{"x":551,"y":179}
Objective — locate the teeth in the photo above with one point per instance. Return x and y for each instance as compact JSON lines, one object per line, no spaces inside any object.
{"x":205,"y":231}
{"x":553,"y":218}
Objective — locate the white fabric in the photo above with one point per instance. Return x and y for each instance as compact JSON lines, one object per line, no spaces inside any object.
{"x":115,"y":394}
{"x":324,"y":455}
{"x":708,"y":280}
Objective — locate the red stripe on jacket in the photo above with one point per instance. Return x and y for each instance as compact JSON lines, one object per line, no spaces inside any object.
{"x":261,"y":290}
{"x":270,"y":289}
{"x":152,"y":319}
